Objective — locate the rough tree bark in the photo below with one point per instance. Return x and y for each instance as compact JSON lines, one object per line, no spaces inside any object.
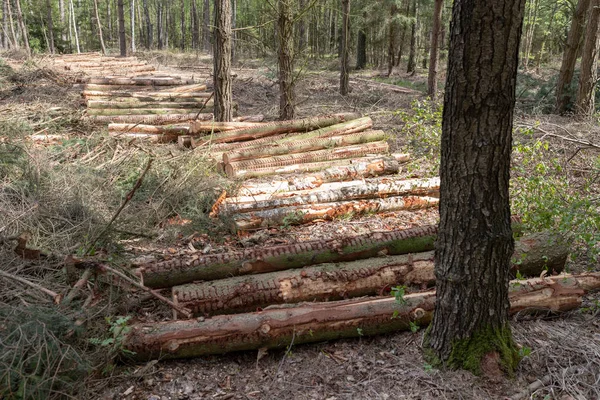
{"x":205,"y":26}
{"x":148,"y":25}
{"x":345,"y":59}
{"x":588,"y":74}
{"x":132,"y":19}
{"x":392,"y":39}
{"x":285,"y":34}
{"x":567,"y":68}
{"x":122,"y":42}
{"x":98,"y":24}
{"x":361,"y":45}
{"x":412,"y":55}
{"x":434,"y":50}
{"x":222,"y":61}
{"x":475,"y":239}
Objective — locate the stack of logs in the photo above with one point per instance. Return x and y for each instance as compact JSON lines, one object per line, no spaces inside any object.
{"x":276,"y":296}
{"x":94,"y":64}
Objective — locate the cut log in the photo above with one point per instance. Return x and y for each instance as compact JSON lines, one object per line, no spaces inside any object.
{"x":240,"y":168}
{"x":302,"y":146}
{"x":344,"y":128}
{"x":364,"y":169}
{"x":138,"y":81}
{"x":214,"y":126}
{"x":151,"y":119}
{"x":121,"y":95}
{"x":118,"y":129}
{"x":541,"y":251}
{"x":185,"y":141}
{"x":109,"y":88}
{"x":133,"y":103}
{"x":145,"y":111}
{"x":334,"y":192}
{"x":324,"y":282}
{"x":195,"y":87}
{"x":296,"y":215}
{"x":316,"y":322}
{"x":249,"y":118}
{"x":150,"y":137}
{"x":368,"y":162}
{"x":278,"y":127}
{"x":198,"y":267}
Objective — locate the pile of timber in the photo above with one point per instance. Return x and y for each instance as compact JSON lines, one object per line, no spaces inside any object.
{"x":95,"y":64}
{"x":309,"y":292}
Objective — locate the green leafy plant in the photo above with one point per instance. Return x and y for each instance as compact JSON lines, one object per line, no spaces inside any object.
{"x":414,"y":328}
{"x":293,"y":218}
{"x":399,"y":292}
{"x":118,"y":329}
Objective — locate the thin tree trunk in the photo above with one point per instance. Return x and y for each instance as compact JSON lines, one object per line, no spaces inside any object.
{"x":233,"y":33}
{"x":195,"y":26}
{"x":361,"y":45}
{"x":589,"y":74}
{"x":159,"y":25}
{"x":345,"y":59}
{"x":287,"y":91}
{"x":99,"y":27}
{"x":412,"y":56}
{"x":148,"y":25}
{"x":74,"y":27}
{"x":182,"y":43}
{"x":132,"y":19}
{"x":12,"y":25}
{"x":475,"y":241}
{"x":205,"y":26}
{"x":567,"y":68}
{"x":4,"y":34}
{"x":392,"y":40}
{"x":222,"y":61}
{"x":122,"y":42}
{"x":23,"y":27}
{"x":434,"y":50}
{"x":61,"y":13}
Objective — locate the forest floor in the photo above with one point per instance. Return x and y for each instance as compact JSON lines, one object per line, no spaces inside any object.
{"x":64,"y":192}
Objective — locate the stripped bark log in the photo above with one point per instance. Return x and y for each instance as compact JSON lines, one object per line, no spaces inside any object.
{"x":145,"y":96}
{"x":301,"y":146}
{"x":117,"y":129}
{"x":150,"y":137}
{"x":334,"y":192}
{"x":325,"y":282}
{"x":249,"y":118}
{"x":143,"y":111}
{"x":141,"y":104}
{"x":195,"y":87}
{"x":109,"y":88}
{"x":151,"y":119}
{"x":197,"y":267}
{"x":139,"y":81}
{"x":364,"y":169}
{"x":372,"y":163}
{"x":343,"y":128}
{"x":278,"y":127}
{"x":214,"y":126}
{"x":240,"y":168}
{"x":296,"y":215}
{"x":316,"y":322}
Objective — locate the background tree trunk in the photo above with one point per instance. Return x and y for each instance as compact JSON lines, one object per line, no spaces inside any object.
{"x":148,"y":26}
{"x":412,"y":55}
{"x":132,"y":19}
{"x":588,"y":73}
{"x":50,"y":26}
{"x":434,"y":50}
{"x":122,"y":42}
{"x":344,"y":62}
{"x":74,"y":22}
{"x":285,"y":35}
{"x":11,"y":24}
{"x":23,"y":27}
{"x":99,"y":25}
{"x":567,"y":68}
{"x":182,"y":43}
{"x":475,"y":239}
{"x":392,"y":40}
{"x":195,"y":26}
{"x":361,"y":45}
{"x":222,"y":61}
{"x":205,"y":26}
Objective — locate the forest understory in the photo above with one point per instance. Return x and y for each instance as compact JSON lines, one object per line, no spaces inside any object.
{"x":64,"y":178}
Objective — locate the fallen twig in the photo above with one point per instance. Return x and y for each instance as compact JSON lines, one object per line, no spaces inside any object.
{"x":540,"y":383}
{"x":55,"y":296}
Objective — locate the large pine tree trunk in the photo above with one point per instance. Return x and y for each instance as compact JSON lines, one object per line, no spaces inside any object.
{"x":588,"y":74}
{"x":222,"y":61}
{"x":345,"y":59}
{"x":434,"y":50}
{"x":99,"y":25}
{"x":285,"y":30}
{"x":567,"y":68}
{"x":475,"y":241}
{"x":122,"y":42}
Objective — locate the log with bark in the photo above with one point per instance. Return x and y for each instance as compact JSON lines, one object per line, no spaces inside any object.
{"x":148,"y":137}
{"x":372,"y":167}
{"x":194,"y":87}
{"x":325,"y":282}
{"x":110,"y":88}
{"x":297,"y":215}
{"x":196,"y":267}
{"x":278,"y":127}
{"x":142,"y":128}
{"x":302,"y":146}
{"x":214,"y":126}
{"x":240,"y":168}
{"x":151,"y":119}
{"x":369,"y":163}
{"x":334,"y":192}
{"x":138,"y":81}
{"x":317,"y":322}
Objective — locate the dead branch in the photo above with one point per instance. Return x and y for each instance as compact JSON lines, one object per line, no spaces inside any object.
{"x":55,"y":296}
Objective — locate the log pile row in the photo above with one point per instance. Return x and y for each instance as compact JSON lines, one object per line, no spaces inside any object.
{"x":314,"y":291}
{"x":95,"y":64}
